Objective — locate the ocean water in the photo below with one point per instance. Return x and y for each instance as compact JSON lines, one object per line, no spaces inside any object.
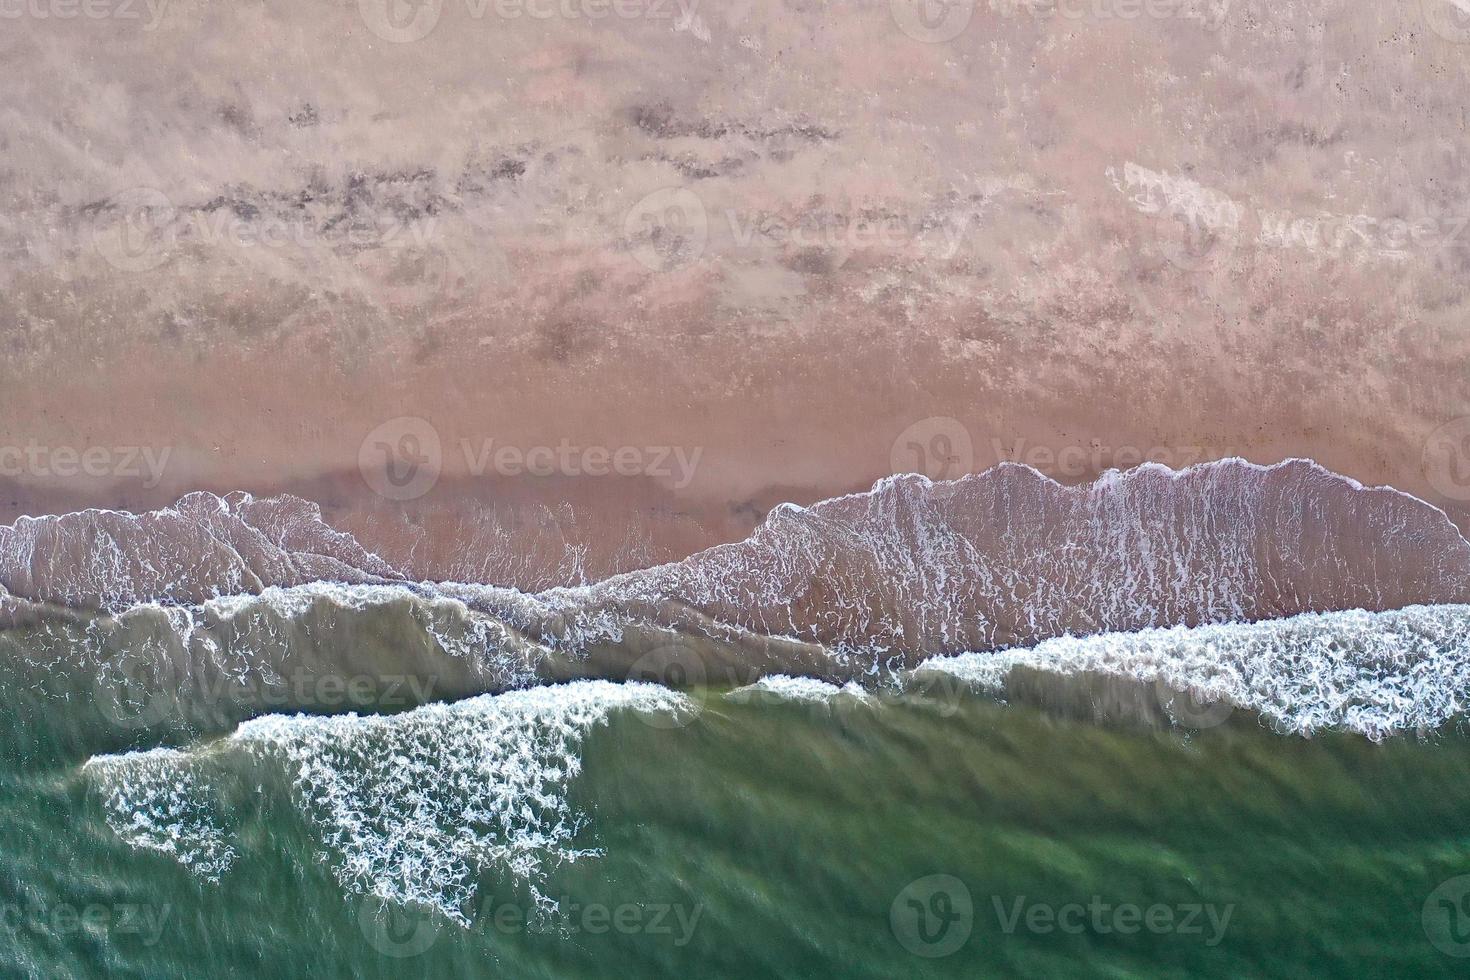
{"x":958,"y":755}
{"x":600,"y":829}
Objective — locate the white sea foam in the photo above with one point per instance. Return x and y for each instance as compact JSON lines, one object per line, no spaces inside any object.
{"x":804,"y":689}
{"x":911,"y":567}
{"x":160,"y":800}
{"x":414,"y":807}
{"x":203,"y":546}
{"x":1009,"y":557}
{"x":409,"y":807}
{"x":1373,"y":673}
{"x":217,"y":661}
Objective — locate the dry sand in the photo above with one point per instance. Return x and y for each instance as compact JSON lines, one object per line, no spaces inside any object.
{"x":777,"y":236}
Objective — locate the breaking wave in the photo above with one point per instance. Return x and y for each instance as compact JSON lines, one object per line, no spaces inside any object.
{"x":415,"y":808}
{"x":410,"y":808}
{"x":1371,"y":673}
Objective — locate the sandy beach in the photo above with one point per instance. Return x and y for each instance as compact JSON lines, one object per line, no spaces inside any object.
{"x":877,"y":254}
{"x":734,"y":488}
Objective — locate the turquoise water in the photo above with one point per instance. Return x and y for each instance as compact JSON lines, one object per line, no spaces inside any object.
{"x":750,"y":835}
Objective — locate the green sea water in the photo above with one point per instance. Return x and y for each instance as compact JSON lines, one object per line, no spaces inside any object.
{"x":774,"y":837}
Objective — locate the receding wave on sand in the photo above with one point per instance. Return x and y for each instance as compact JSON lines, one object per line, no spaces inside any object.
{"x":849,"y":586}
{"x":1227,"y":538}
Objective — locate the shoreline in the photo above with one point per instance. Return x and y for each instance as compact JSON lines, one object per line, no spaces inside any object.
{"x":463,"y":523}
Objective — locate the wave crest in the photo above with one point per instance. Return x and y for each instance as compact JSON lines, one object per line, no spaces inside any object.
{"x":1372,"y":673}
{"x":409,"y":808}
